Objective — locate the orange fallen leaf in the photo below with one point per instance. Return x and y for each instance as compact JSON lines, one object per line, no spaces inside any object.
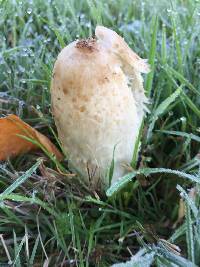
{"x":16,"y":137}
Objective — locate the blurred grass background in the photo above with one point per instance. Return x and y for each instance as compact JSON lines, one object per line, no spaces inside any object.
{"x":52,"y":220}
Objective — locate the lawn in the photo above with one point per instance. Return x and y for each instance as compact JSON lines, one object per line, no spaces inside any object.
{"x":48,"y":218}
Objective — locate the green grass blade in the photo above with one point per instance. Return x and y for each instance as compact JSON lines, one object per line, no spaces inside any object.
{"x":177,"y":44}
{"x":152,"y":56}
{"x":18,"y":249}
{"x":189,"y":233}
{"x":33,"y":254}
{"x":137,"y":146}
{"x":182,"y":134}
{"x":33,"y":200}
{"x":117,"y":186}
{"x":163,"y":46}
{"x":95,"y":11}
{"x":21,"y":179}
{"x":191,"y":105}
{"x":161,"y":109}
{"x":181,"y":79}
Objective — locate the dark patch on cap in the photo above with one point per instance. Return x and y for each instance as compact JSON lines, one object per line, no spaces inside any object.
{"x":65,"y":90}
{"x":88,"y":45}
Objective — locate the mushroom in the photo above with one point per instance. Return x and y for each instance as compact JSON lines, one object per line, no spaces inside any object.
{"x":98,"y":104}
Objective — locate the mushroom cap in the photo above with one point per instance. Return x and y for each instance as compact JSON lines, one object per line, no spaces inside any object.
{"x":98,"y":104}
{"x":116,"y":43}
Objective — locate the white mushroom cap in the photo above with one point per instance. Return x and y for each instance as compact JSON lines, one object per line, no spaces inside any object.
{"x":116,"y":44}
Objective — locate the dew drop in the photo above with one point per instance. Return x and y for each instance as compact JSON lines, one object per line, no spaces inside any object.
{"x":183,"y":119}
{"x":88,"y":24}
{"x":2,"y":204}
{"x":1,"y":60}
{"x":21,"y":103}
{"x":21,"y":69}
{"x":24,"y":54}
{"x":169,"y":11}
{"x":82,"y":16}
{"x":185,"y":42}
{"x":29,"y":10}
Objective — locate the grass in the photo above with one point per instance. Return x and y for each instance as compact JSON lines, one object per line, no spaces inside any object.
{"x":50,"y":219}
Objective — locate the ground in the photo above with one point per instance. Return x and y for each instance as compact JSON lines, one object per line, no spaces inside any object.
{"x":50,"y":219}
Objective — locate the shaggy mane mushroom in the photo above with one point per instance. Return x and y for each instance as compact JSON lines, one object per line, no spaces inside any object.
{"x":98,"y":103}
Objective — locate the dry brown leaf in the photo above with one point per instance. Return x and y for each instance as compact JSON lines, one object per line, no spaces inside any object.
{"x":11,"y":144}
{"x":181,"y":213}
